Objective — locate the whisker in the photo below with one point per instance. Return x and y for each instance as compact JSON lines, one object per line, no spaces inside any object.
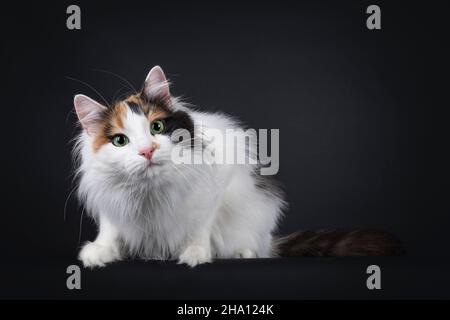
{"x":128,"y":83}
{"x":67,"y":200}
{"x":91,"y":87}
{"x":80,"y":227}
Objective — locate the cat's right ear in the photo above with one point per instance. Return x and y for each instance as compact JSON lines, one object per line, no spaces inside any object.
{"x":89,"y":112}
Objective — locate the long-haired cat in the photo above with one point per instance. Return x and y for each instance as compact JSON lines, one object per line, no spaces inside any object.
{"x":147,"y":206}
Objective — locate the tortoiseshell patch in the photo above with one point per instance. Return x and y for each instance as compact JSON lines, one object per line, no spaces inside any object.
{"x":111,"y":123}
{"x":113,"y":119}
{"x":152,"y":110}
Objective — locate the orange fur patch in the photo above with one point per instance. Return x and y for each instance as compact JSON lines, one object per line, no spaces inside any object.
{"x":113,"y":121}
{"x":112,"y":124}
{"x":120,"y":112}
{"x":135,"y":99}
{"x":157,"y":113}
{"x":100,"y":140}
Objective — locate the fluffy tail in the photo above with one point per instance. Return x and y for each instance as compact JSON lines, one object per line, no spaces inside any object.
{"x":338,"y":243}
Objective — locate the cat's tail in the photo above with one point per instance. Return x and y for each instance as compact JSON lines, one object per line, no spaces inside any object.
{"x":338,"y":243}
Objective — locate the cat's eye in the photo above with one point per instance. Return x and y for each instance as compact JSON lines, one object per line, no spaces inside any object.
{"x":157,"y":127}
{"x":120,"y":140}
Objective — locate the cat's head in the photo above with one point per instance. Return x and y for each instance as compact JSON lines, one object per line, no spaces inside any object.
{"x":132,"y":137}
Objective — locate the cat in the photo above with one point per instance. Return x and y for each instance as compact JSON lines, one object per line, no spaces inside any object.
{"x":148,"y":206}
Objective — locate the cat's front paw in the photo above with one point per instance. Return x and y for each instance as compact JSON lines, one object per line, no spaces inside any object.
{"x":194,"y":255}
{"x":245,"y":254}
{"x":98,"y":255}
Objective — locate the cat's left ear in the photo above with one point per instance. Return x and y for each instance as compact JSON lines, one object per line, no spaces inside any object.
{"x":156,"y":86}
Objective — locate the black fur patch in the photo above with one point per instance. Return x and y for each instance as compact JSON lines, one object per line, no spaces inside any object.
{"x":134,"y":107}
{"x":339,"y":243}
{"x":174,"y":119}
{"x":179,"y":120}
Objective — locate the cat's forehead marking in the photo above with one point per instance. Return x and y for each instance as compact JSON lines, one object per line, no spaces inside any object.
{"x":139,"y":105}
{"x":134,"y":107}
{"x":118,"y":116}
{"x":136,"y":104}
{"x":114,"y":120}
{"x":134,"y":99}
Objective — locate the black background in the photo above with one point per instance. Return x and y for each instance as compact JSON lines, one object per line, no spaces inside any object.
{"x":362,"y":117}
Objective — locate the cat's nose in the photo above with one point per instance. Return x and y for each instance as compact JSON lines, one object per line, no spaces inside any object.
{"x":147,"y":153}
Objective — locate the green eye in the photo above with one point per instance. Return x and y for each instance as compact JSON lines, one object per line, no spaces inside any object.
{"x":157,"y":127}
{"x":120,"y":140}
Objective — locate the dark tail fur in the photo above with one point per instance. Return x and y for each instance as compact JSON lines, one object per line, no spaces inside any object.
{"x":338,"y":243}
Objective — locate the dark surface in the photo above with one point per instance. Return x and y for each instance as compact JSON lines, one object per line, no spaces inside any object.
{"x":289,"y":278}
{"x":363,"y":119}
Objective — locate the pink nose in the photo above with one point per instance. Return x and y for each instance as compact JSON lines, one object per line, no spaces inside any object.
{"x":147,"y":153}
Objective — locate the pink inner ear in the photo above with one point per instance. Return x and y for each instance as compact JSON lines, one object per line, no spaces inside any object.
{"x":88,"y":112}
{"x":156,"y":84}
{"x":156,"y":75}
